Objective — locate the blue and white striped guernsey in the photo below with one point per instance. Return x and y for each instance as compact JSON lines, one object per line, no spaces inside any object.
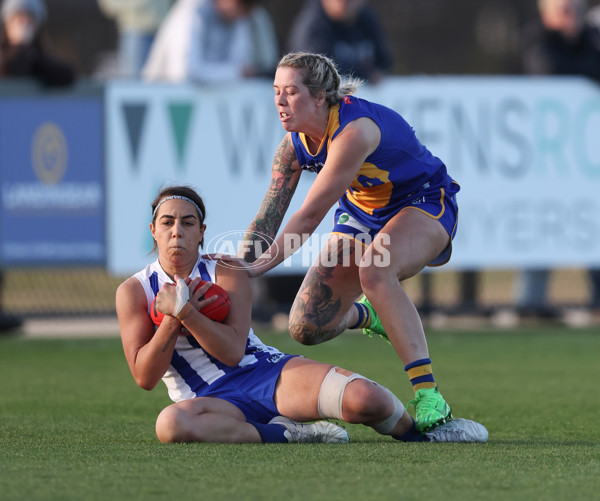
{"x":192,"y":370}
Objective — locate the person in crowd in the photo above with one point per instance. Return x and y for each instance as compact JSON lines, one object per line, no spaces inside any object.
{"x":227,"y":386}
{"x":23,"y":53}
{"x":213,"y":41}
{"x":265,"y":51}
{"x":137,"y":22}
{"x":396,"y":214}
{"x":349,"y":32}
{"x":560,"y":42}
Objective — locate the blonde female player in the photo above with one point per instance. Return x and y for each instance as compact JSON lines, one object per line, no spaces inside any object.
{"x":227,"y":386}
{"x":396,"y":214}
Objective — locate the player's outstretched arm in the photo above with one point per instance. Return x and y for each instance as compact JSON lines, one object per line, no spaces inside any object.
{"x":285,"y":174}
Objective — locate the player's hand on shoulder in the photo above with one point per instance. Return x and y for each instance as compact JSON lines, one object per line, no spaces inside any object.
{"x":232,"y":262}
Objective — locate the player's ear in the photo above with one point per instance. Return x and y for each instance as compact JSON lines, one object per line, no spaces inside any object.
{"x":321,"y":97}
{"x":202,"y":230}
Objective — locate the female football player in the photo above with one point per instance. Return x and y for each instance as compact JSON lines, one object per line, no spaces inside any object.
{"x":396,"y":214}
{"x":227,"y":386}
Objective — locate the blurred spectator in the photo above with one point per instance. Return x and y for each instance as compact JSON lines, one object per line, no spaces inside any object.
{"x":563,"y":43}
{"x":265,"y":47}
{"x":22,"y":52}
{"x":137,"y":22}
{"x":213,"y":41}
{"x":593,"y":16}
{"x":348,"y":31}
{"x":22,"y":55}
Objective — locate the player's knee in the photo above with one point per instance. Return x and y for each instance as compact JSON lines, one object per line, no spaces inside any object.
{"x":356,"y":399}
{"x":371,"y":276}
{"x":364,"y":402}
{"x":171,"y":425}
{"x":300,"y":333}
{"x":302,"y":329}
{"x":350,"y":397}
{"x":165,"y":424}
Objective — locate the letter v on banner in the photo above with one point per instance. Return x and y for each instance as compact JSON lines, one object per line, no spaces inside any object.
{"x":134,"y":114}
{"x":180,"y":114}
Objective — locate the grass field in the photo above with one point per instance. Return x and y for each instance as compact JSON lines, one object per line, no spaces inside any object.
{"x":74,"y":426}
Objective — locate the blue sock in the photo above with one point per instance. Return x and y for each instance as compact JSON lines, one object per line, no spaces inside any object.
{"x":270,"y":433}
{"x":364,"y":317}
{"x":412,"y":435}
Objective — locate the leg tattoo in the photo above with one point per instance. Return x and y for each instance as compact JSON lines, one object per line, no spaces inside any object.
{"x":317,"y":304}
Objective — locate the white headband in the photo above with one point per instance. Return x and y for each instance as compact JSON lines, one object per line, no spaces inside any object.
{"x":178,"y":197}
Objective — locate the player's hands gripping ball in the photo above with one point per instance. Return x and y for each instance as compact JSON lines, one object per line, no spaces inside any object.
{"x":217,"y":310}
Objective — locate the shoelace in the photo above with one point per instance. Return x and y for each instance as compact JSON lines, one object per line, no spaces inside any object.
{"x":426,"y":399}
{"x":453,"y":435}
{"x":413,"y":403}
{"x":422,"y":398}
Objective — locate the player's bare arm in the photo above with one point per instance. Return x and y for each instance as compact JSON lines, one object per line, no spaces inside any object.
{"x":148,"y":353}
{"x":284,"y":180}
{"x":346,"y":155}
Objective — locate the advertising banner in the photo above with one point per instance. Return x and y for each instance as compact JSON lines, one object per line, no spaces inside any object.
{"x":526,"y":152}
{"x":52,"y":180}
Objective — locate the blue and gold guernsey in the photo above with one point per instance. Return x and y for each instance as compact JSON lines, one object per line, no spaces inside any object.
{"x":194,"y":373}
{"x":401,"y":172}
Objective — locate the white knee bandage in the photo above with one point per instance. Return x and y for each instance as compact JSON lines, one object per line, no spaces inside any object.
{"x":332,"y":393}
{"x":387,"y":425}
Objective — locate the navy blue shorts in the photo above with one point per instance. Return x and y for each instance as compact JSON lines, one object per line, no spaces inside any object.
{"x":437,"y":201}
{"x":252,"y":388}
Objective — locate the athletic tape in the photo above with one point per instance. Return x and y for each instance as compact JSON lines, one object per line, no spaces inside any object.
{"x":183,"y":294}
{"x":388,"y":424}
{"x":331,"y":393}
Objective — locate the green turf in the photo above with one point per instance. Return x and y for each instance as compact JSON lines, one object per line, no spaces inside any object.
{"x":74,"y":426}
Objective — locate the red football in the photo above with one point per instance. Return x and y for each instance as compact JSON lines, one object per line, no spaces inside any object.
{"x":216,"y":311}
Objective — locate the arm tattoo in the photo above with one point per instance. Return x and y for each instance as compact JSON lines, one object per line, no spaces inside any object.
{"x":166,"y":346}
{"x":284,"y":179}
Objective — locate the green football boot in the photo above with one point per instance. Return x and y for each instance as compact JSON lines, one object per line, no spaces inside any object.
{"x":431,"y":409}
{"x":375,"y":327}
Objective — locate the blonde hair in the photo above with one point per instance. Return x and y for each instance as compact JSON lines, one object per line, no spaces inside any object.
{"x":321,"y":74}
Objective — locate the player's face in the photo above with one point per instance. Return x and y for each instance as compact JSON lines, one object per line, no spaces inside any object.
{"x":177,"y":230}
{"x":298,"y":110}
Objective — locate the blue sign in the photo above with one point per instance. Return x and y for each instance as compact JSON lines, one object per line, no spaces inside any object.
{"x":52,"y":194}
